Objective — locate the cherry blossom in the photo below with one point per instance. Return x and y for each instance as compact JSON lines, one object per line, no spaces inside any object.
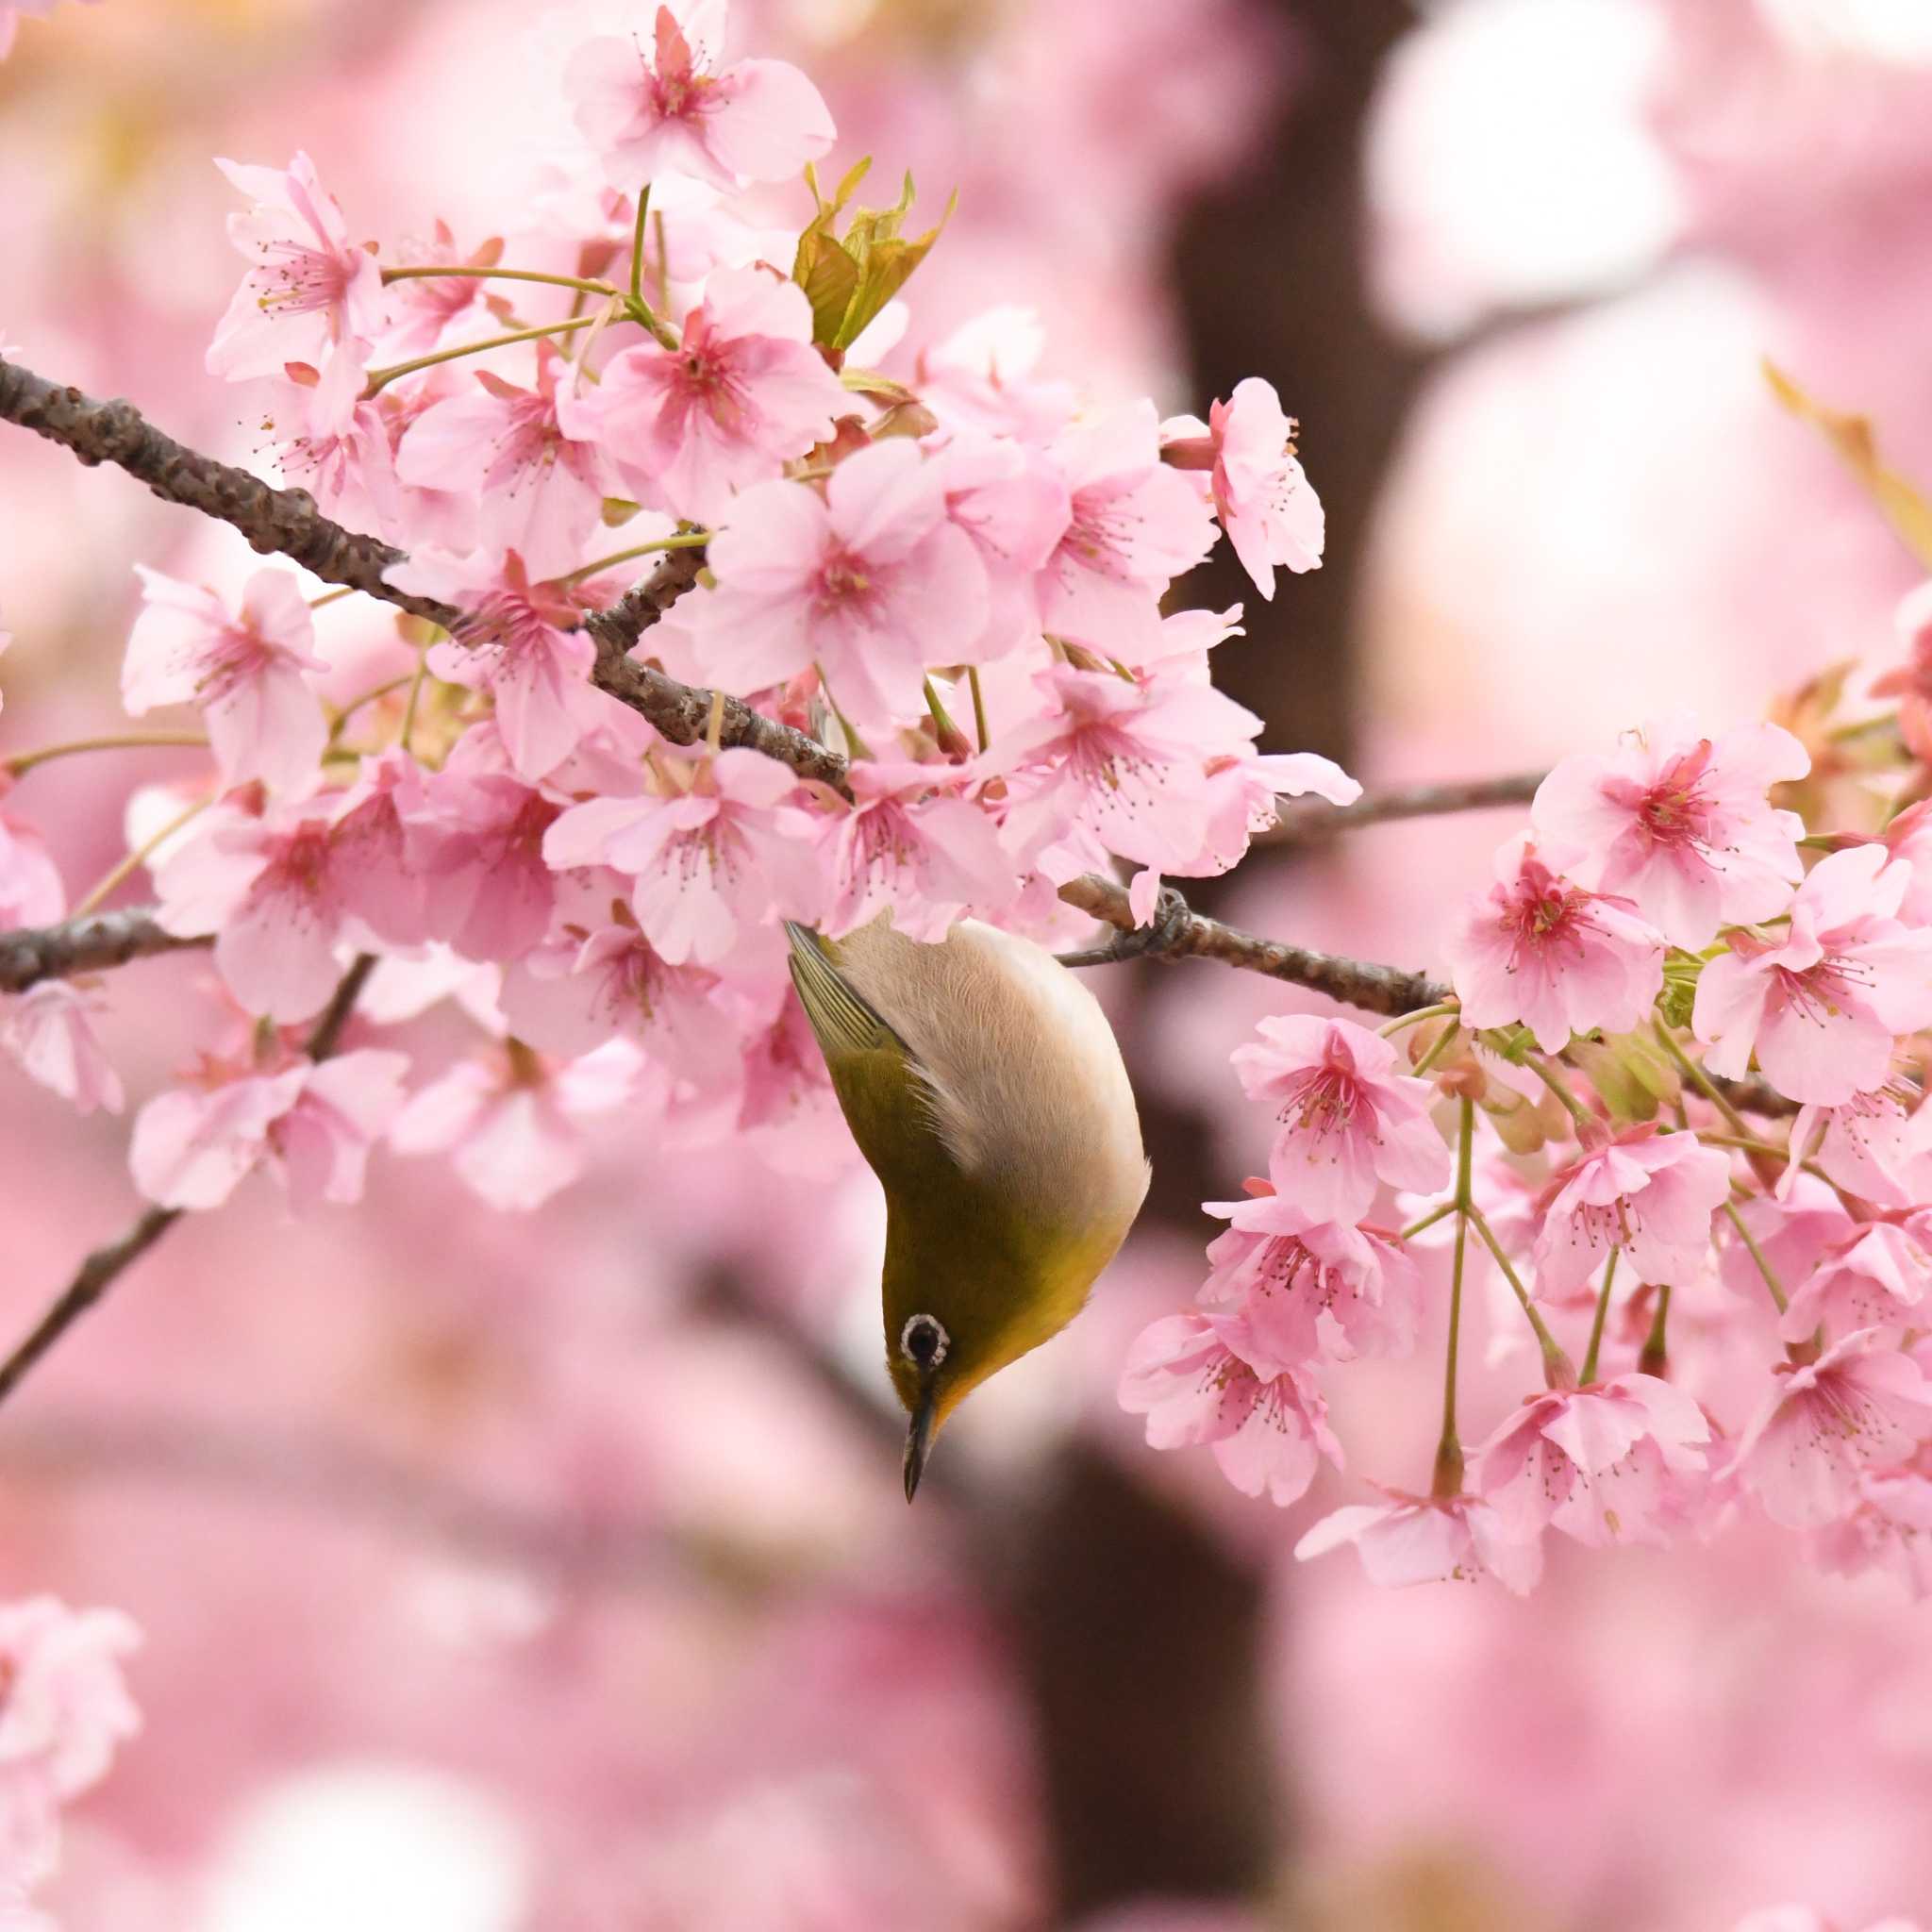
{"x":1879,"y":1278}
{"x":1538,"y":949}
{"x":1877,"y":1145}
{"x":1348,"y":1118}
{"x":1261,"y":496}
{"x":522,"y":646}
{"x":309,"y":293}
{"x":1821,"y":1006}
{"x":1792,"y":1232}
{"x":49,"y":1030}
{"x":1429,"y":1539}
{"x":65,"y":1712}
{"x":429,"y":312}
{"x":490,"y":893}
{"x":687,"y":428}
{"x":1202,"y":1377}
{"x":1888,"y":1527}
{"x":1014,"y":504}
{"x":1679,"y":823}
{"x":1112,"y":765}
{"x":513,"y":1125}
{"x":1648,"y":1194}
{"x":1135,"y":525}
{"x":271,"y":890}
{"x":313,"y":1124}
{"x":713,"y":857}
{"x":1620,"y":1460}
{"x":1311,"y":1289}
{"x":913,"y":845}
{"x":981,"y":377}
{"x":31,"y":891}
{"x":1911,"y":683}
{"x":871,"y":582}
{"x":674,"y":108}
{"x":585,"y":986}
{"x":541,"y":487}
{"x":1861,"y":1405}
{"x":243,"y":669}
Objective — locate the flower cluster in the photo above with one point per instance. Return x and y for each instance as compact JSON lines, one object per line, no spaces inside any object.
{"x":64,"y":1711}
{"x":948,"y":568}
{"x":1748,"y":1300}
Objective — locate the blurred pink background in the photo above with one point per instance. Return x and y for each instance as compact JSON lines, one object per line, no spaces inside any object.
{"x":505,"y":1573}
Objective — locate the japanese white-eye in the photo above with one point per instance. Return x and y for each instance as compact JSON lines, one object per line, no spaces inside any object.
{"x":985,"y":1089}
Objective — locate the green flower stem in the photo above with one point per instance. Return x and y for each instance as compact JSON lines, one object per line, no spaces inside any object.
{"x":1561,"y":1087}
{"x":1447,"y":1480}
{"x":1428,"y":1220}
{"x":1402,"y":1020}
{"x":1450,"y":1034}
{"x":432,"y":272}
{"x":1764,"y":1267}
{"x":1558,"y":1372}
{"x":380,"y":378}
{"x":24,"y":761}
{"x":1596,"y":1327}
{"x":1656,"y":1357}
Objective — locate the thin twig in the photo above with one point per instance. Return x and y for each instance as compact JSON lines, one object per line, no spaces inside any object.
{"x":84,"y":946}
{"x":1304,"y":819}
{"x":1365,"y":983}
{"x":103,"y":1267}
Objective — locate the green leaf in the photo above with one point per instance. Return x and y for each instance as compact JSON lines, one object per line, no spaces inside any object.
{"x":849,"y":278}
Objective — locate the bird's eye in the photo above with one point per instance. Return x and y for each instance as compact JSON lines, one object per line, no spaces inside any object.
{"x":923,"y":1343}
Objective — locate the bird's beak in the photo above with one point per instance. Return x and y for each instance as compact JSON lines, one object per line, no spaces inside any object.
{"x":918,"y":1443}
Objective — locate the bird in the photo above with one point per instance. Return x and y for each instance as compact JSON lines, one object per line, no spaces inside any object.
{"x":986,"y":1090}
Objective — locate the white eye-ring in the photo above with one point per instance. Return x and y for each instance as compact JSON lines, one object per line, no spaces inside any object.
{"x":923,"y":1343}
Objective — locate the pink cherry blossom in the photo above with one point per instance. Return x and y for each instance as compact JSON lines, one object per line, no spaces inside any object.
{"x":1309,"y":1288}
{"x":1014,"y":505}
{"x":687,"y":428}
{"x":1821,"y":1006}
{"x":1877,"y":1145}
{"x":428,"y":312}
{"x":1113,"y":765}
{"x":384,"y":844}
{"x":1648,"y":1194}
{"x":1794,"y":1233}
{"x":1263,"y":500}
{"x":31,"y":890}
{"x":312,"y":1124}
{"x":675,"y":109}
{"x":521,"y":646}
{"x":1429,"y":1539}
{"x":871,"y":582}
{"x":910,"y":844}
{"x":1201,"y":1378}
{"x":491,"y":895}
{"x":1911,"y":682}
{"x":1243,"y":793}
{"x":981,"y":377}
{"x":1348,"y":1118}
{"x":513,"y":1125}
{"x":541,"y":487}
{"x":243,"y":669}
{"x":721,"y":854}
{"x":1908,"y":835}
{"x":342,"y":450}
{"x":310,"y":292}
{"x":1538,"y":949}
{"x":1134,"y":525}
{"x":1888,"y":1527}
{"x":1620,"y":1460}
{"x":271,"y":891}
{"x":65,"y":1712}
{"x":1860,"y":1406}
{"x":1878,"y":1279}
{"x":49,"y":1030}
{"x":1679,"y":823}
{"x":582,"y":987}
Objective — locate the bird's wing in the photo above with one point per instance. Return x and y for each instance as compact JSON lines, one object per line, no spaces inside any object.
{"x":843,"y":1019}
{"x":892,"y":1102}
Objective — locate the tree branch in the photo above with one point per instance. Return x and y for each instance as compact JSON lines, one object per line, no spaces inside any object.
{"x":102,"y":1267}
{"x":84,"y":946}
{"x":1305,"y":819}
{"x":288,"y":522}
{"x":1188,"y":934}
